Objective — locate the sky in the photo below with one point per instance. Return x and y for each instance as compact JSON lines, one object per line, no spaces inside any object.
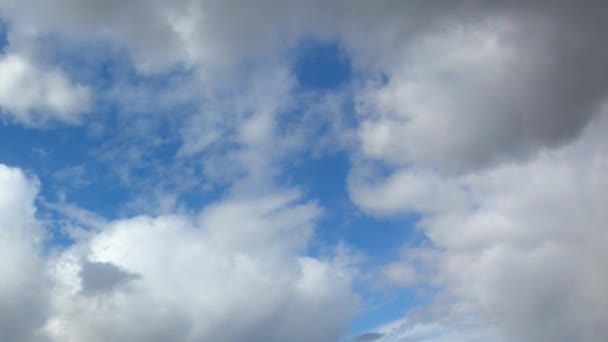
{"x":328,"y":171}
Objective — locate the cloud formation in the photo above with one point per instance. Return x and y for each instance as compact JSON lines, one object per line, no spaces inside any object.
{"x":520,"y":244}
{"x":33,"y":95}
{"x":491,"y":130}
{"x":23,"y":299}
{"x":237,"y":271}
{"x":485,"y":118}
{"x":233,"y":273}
{"x":493,"y":85}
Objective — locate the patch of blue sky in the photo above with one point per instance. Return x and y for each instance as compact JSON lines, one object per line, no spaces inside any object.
{"x":383,"y":306}
{"x":324,"y":179}
{"x":50,"y":154}
{"x":321,"y":65}
{"x":379,"y":239}
{"x":324,"y":67}
{"x":3,"y":36}
{"x":123,"y":118}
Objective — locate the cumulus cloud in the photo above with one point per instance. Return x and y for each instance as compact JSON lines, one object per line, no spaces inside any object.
{"x":484,"y":117}
{"x":33,"y":95}
{"x":471,"y":73}
{"x":523,"y":245}
{"x":495,"y":84}
{"x":236,"y":271}
{"x":489,"y":124}
{"x":233,"y":273}
{"x":23,"y":300}
{"x":165,"y":33}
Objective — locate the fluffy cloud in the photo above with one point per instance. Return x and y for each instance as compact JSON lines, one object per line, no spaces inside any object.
{"x":230,"y":274}
{"x":520,"y":244}
{"x":483,"y":87}
{"x":23,"y":301}
{"x":33,"y":95}
{"x":448,"y":65}
{"x":490,"y":127}
{"x":481,"y":116}
{"x":164,"y":33}
{"x":235,"y":271}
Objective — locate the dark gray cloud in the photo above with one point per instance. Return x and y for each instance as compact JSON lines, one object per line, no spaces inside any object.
{"x":483,"y":84}
{"x":103,"y":277}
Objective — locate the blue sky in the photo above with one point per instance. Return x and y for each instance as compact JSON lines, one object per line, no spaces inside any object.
{"x":339,"y":171}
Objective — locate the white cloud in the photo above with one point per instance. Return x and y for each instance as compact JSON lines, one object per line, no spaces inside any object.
{"x":406,"y":190}
{"x":33,"y":95}
{"x":416,"y":266}
{"x":23,"y":300}
{"x":490,"y":127}
{"x":524,"y":246}
{"x":480,"y":121}
{"x":233,"y":273}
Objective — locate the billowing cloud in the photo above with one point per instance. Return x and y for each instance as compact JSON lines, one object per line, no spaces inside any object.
{"x":165,"y":33}
{"x":33,"y":95}
{"x":520,"y":244}
{"x":233,"y":273}
{"x":492,"y":85}
{"x":236,"y":271}
{"x":482,"y":117}
{"x":23,"y":300}
{"x":489,"y":126}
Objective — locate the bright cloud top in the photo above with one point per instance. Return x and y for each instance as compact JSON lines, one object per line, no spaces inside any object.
{"x":33,"y":95}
